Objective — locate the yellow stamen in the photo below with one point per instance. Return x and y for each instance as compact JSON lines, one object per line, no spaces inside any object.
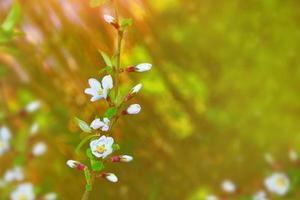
{"x":22,"y":197}
{"x":280,"y":182}
{"x":100,"y":91}
{"x":101,"y":149}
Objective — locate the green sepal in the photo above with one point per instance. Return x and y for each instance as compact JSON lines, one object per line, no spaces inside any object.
{"x":97,"y":165}
{"x":116,"y":147}
{"x":111,"y":112}
{"x":83,"y":125}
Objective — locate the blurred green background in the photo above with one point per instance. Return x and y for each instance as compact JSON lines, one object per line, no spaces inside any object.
{"x":223,"y":92}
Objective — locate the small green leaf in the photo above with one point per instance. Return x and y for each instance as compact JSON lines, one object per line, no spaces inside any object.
{"x":97,"y":165}
{"x":125,"y":23}
{"x":83,"y":125}
{"x":115,"y":147}
{"x":96,"y":3}
{"x":89,"y":153}
{"x":85,"y":140}
{"x":111,"y":112}
{"x":106,"y":58}
{"x":12,"y":18}
{"x":106,"y":69}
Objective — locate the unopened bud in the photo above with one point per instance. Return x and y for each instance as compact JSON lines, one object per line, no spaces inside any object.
{"x":133,"y":91}
{"x":76,"y":165}
{"x":110,"y":177}
{"x":111,"y":20}
{"x":122,"y":158}
{"x":140,"y":67}
{"x":134,"y":109}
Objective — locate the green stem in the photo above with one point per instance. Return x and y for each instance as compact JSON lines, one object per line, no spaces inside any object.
{"x":117,"y":69}
{"x":87,"y":193}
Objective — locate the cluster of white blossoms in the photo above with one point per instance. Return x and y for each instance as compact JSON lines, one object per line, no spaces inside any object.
{"x":277,"y":183}
{"x":101,"y":144}
{"x":15,"y":175}
{"x":23,"y":191}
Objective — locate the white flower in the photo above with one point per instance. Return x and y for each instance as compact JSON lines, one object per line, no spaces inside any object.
{"x":102,"y":147}
{"x":50,"y":196}
{"x":34,"y":128}
{"x":293,"y":155}
{"x":98,"y":91}
{"x":5,"y":136}
{"x":23,"y":192}
{"x":111,"y":177}
{"x":15,"y":174}
{"x":39,"y":149}
{"x":136,"y":88}
{"x":278,"y":183}
{"x":228,"y":186}
{"x":133,"y":109}
{"x":33,"y":106}
{"x":143,"y":67}
{"x":211,"y":197}
{"x":260,"y":195}
{"x":97,"y":123}
{"x":109,"y":19}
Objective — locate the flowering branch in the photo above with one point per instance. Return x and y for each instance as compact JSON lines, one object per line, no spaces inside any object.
{"x":101,"y":145}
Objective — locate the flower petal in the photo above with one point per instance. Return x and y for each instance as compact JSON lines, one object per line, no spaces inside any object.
{"x":97,"y":123}
{"x":107,"y":82}
{"x":95,"y":84}
{"x":106,"y":120}
{"x":96,"y":97}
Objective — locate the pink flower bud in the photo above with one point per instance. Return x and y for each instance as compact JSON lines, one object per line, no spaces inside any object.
{"x":115,"y":159}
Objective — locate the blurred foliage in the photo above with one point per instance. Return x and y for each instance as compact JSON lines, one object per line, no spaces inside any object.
{"x":224,"y":90}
